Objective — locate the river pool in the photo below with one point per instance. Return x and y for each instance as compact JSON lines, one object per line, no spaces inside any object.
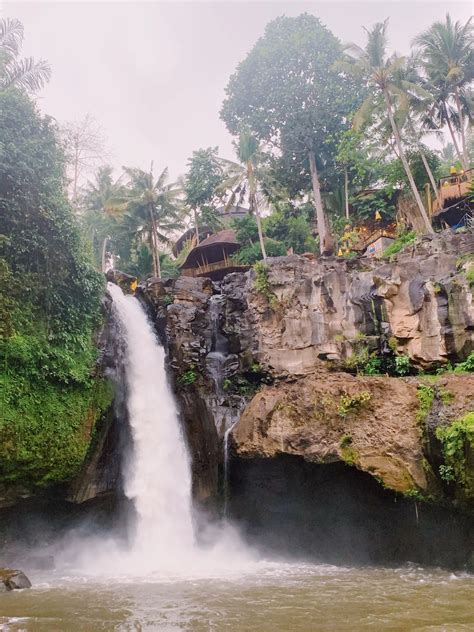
{"x":266,"y":597}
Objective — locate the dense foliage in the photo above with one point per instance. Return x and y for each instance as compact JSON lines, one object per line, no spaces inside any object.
{"x":201,"y":182}
{"x":49,"y":307}
{"x":457,"y":440}
{"x":288,"y":94}
{"x":286,"y":228}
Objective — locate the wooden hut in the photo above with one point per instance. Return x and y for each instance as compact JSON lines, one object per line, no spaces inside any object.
{"x":212,"y":258}
{"x":453,"y":206}
{"x":225,"y":215}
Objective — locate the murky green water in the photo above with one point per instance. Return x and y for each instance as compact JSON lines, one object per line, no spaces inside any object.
{"x":270,"y":597}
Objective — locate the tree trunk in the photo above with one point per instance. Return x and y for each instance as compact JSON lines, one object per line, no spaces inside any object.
{"x":104,"y":251}
{"x":260,"y":231}
{"x":326,"y":243}
{"x":76,"y":173}
{"x":196,"y":225}
{"x":153,"y":243}
{"x":158,"y":263}
{"x":406,"y":166}
{"x":430,"y":175}
{"x":427,"y":167}
{"x":465,"y":158}
{"x":346,"y":192}
{"x":153,"y":253}
{"x":455,"y":141}
{"x":254,"y":206}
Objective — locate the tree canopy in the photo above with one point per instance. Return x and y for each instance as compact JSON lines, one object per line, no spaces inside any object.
{"x":288,"y":94}
{"x":49,"y":306}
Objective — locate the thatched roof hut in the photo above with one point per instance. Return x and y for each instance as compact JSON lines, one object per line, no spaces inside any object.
{"x":212,"y":257}
{"x":225,"y":215}
{"x":456,"y":204}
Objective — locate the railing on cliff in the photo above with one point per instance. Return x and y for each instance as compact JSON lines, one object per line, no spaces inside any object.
{"x":226,"y":264}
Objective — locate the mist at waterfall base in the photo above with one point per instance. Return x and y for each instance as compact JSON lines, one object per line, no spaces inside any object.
{"x":161,"y":539}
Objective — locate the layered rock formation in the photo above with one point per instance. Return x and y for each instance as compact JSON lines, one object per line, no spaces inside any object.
{"x":281,"y":343}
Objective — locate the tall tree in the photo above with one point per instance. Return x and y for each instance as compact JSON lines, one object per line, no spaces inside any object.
{"x":152,"y":207}
{"x":413,"y":106}
{"x":201,"y":181}
{"x":85,"y":149}
{"x":287,"y":93}
{"x":447,"y":56}
{"x":378,"y":71}
{"x":25,"y":74}
{"x":93,"y":203}
{"x":243,"y":179}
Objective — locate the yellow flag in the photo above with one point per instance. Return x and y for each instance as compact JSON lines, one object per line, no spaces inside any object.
{"x":377,"y":215}
{"x":134,"y":285}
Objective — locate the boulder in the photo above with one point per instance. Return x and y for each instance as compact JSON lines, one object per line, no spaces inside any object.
{"x":13,"y":579}
{"x":126,"y":282}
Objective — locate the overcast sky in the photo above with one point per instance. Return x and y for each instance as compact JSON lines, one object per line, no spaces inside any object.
{"x":153,"y":73}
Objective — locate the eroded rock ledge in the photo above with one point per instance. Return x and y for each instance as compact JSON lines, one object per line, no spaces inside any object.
{"x":377,"y":424}
{"x":285,"y":355}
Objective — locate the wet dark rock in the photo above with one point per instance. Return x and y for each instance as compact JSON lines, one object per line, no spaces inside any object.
{"x":125,"y":281}
{"x":13,"y":579}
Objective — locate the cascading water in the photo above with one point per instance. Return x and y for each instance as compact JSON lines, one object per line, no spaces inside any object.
{"x":216,"y":362}
{"x":219,"y":346}
{"x":226,"y":468}
{"x":157,"y":478}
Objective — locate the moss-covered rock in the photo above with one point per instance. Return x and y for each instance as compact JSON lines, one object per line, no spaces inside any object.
{"x":457,"y":440}
{"x":45,"y":431}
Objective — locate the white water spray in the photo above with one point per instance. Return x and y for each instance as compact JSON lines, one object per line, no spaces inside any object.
{"x":158,"y":478}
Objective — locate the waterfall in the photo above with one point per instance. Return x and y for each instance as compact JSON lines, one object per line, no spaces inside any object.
{"x":158,"y":477}
{"x":216,"y":364}
{"x":226,"y":468}
{"x":219,"y":347}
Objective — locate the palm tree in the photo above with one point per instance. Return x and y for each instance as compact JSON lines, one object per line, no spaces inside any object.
{"x":151,"y":208}
{"x":372,"y":65}
{"x":94,"y":205}
{"x":446,"y":154}
{"x":447,"y":57}
{"x":25,"y":74}
{"x":244,"y":179}
{"x":200,"y":184}
{"x":414,"y":100}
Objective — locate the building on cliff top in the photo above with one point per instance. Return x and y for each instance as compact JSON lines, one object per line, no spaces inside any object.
{"x":226,"y":218}
{"x":212,"y":258}
{"x":454,"y":206}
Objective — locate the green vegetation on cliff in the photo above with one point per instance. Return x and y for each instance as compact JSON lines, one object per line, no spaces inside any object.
{"x":49,"y":307}
{"x":457,"y":440}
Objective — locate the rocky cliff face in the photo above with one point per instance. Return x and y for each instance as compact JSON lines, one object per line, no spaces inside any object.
{"x":272,"y":354}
